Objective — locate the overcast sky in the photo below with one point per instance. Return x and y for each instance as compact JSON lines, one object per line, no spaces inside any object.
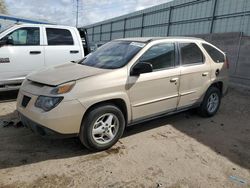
{"x":64,"y":11}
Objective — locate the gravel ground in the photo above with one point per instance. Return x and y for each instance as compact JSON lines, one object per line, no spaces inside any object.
{"x":178,"y":151}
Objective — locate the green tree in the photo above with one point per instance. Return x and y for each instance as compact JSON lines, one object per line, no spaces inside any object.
{"x":3,"y":9}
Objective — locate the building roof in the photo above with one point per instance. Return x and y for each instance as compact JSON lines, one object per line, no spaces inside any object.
{"x":21,"y":19}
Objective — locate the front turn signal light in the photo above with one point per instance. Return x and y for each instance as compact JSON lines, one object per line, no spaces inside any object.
{"x":64,"y":88}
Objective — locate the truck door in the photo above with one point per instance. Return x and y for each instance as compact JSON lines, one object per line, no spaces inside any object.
{"x":63,"y":45}
{"x":22,"y":54}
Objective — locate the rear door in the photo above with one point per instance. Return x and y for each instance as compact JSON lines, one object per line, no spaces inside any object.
{"x":23,"y":56}
{"x":61,"y":45}
{"x":195,"y":74}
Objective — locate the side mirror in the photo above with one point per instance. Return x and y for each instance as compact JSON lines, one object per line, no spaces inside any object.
{"x":2,"y":42}
{"x":6,"y":41}
{"x":9,"y":40}
{"x":140,"y":68}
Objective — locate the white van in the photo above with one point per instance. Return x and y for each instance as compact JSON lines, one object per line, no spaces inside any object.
{"x":29,"y":47}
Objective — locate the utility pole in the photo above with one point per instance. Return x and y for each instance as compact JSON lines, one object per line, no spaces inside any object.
{"x":77,"y":11}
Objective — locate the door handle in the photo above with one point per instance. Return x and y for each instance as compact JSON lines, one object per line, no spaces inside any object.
{"x":204,"y":73}
{"x":74,"y":51}
{"x":35,"y":52}
{"x":174,"y":80}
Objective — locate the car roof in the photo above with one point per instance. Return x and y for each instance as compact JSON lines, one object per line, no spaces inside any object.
{"x":150,"y":39}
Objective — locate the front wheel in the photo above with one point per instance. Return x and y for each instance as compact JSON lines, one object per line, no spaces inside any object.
{"x":102,"y":127}
{"x":210,"y":103}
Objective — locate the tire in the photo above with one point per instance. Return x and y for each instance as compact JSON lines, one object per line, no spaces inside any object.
{"x":102,"y":127}
{"x":207,"y":107}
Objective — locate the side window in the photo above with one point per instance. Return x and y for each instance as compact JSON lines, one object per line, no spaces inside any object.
{"x":25,"y":36}
{"x":190,"y":54}
{"x":59,"y":37}
{"x":161,"y":56}
{"x":215,"y":54}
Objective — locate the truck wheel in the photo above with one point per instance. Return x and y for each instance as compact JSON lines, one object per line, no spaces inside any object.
{"x":210,"y":103}
{"x":102,"y":127}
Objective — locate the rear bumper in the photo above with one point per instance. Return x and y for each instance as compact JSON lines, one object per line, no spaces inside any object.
{"x":42,"y":130}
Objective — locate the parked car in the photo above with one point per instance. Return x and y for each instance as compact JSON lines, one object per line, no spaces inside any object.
{"x":30,"y":47}
{"x":122,"y":83}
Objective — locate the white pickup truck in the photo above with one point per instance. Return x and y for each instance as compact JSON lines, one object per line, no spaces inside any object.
{"x":25,"y":48}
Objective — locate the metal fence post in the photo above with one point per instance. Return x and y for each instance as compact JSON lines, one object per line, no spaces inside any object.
{"x":241,"y":36}
{"x":142,"y":24}
{"x":111,"y":30}
{"x":124,"y":27}
{"x":238,"y":53}
{"x":213,"y":16}
{"x":169,"y":20}
{"x":101,"y":33}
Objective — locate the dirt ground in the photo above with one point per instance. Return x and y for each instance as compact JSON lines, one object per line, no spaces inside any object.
{"x":183,"y":150}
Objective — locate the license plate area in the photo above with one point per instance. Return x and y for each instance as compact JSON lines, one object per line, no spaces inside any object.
{"x":25,"y":101}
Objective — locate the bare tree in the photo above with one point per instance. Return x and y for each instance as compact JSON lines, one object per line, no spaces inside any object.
{"x":3,"y":9}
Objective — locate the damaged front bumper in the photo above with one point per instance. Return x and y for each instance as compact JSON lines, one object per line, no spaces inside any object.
{"x":42,"y":130}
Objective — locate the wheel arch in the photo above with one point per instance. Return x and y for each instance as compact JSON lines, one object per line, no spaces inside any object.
{"x":118,"y":102}
{"x":217,"y":84}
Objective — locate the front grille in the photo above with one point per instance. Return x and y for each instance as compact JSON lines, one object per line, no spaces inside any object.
{"x":25,"y":101}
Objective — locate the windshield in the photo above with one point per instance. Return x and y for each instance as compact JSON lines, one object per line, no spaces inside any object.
{"x":113,"y":55}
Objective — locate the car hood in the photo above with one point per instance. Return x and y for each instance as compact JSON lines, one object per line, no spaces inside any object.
{"x":64,"y":73}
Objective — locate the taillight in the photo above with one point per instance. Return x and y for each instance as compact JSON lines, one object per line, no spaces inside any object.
{"x":226,"y":62}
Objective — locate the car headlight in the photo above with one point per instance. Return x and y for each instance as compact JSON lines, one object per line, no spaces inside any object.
{"x":47,"y":103}
{"x":64,"y":88}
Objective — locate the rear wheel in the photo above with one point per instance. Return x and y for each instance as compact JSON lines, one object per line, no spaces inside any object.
{"x":211,"y":102}
{"x":102,"y":127}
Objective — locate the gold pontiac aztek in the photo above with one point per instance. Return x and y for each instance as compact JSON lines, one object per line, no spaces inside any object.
{"x":124,"y":82}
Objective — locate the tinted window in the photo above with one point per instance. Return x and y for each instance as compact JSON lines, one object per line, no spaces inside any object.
{"x":59,"y":37}
{"x":216,"y":55}
{"x":113,"y":55}
{"x":190,"y":54}
{"x":161,"y":56}
{"x":25,"y":36}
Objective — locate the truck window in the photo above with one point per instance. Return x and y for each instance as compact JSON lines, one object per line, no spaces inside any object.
{"x":215,"y":54}
{"x":190,"y":54}
{"x":59,"y":37}
{"x":25,"y":36}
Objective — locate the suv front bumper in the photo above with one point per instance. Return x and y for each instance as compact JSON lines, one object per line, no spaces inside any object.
{"x":42,"y":130}
{"x":64,"y":119}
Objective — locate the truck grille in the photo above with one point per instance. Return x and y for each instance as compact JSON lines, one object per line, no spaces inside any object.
{"x":25,"y":101}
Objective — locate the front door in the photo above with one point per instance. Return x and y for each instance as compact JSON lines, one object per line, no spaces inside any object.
{"x":23,"y":55}
{"x":156,"y":92}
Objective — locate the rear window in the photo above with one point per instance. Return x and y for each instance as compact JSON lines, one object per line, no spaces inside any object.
{"x":215,"y":54}
{"x":190,"y":54}
{"x":59,"y":37}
